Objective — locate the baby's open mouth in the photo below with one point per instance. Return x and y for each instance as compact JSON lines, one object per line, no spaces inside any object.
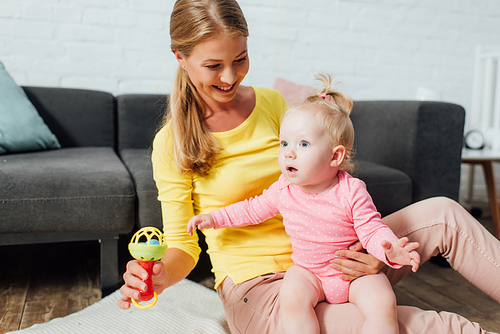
{"x":291,"y":169}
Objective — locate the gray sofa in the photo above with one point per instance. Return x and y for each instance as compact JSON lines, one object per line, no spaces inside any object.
{"x":99,"y":185}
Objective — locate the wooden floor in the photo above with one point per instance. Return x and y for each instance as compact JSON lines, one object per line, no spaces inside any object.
{"x":46,"y":281}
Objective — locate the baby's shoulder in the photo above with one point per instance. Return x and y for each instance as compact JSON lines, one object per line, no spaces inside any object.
{"x":350,"y":182}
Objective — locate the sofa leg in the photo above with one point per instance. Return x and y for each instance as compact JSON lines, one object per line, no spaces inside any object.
{"x":109,"y":265}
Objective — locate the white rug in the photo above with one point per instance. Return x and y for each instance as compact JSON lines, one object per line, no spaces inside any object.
{"x":187,"y":307}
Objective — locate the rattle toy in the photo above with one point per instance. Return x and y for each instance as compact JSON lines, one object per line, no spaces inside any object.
{"x":147,"y":246}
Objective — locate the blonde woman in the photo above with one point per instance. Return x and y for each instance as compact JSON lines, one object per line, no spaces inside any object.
{"x":219,"y":145}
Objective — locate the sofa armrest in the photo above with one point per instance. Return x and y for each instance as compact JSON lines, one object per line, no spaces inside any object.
{"x":422,"y":139}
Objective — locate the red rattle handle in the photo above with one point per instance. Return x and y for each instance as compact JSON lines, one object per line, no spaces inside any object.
{"x":149,"y":293}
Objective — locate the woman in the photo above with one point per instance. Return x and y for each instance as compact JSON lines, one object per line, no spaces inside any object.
{"x":219,"y":145}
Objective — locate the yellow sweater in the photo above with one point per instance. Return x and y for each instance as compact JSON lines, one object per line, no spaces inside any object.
{"x":247,"y":165}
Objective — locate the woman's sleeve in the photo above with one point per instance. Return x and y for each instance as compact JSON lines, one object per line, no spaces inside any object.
{"x":174,"y":193}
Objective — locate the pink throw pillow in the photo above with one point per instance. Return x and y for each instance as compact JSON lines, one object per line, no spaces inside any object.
{"x":293,"y":92}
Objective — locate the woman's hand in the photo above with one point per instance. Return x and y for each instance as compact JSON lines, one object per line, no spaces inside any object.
{"x":172,"y":268}
{"x":356,"y":263}
{"x":133,"y":281}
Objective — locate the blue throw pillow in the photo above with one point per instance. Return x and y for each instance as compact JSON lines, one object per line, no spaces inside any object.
{"x":21,"y":127}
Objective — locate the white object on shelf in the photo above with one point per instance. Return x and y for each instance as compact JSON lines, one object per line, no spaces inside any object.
{"x":485,"y":110}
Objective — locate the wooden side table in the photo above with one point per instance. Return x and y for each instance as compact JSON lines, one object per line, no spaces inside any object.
{"x":485,"y":158}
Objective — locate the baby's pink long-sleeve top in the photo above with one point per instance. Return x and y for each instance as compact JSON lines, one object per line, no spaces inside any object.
{"x":318,"y":225}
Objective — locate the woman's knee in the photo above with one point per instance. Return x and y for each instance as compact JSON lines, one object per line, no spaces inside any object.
{"x":444,"y":203}
{"x":450,"y":213}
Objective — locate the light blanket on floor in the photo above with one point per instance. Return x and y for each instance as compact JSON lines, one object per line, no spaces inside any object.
{"x":186,"y":307}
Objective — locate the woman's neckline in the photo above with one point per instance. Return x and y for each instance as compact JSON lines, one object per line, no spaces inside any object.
{"x":244,"y":121}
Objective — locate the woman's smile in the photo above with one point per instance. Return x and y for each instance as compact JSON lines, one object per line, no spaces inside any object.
{"x":225,"y":89}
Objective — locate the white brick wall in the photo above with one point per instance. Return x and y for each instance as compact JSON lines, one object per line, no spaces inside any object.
{"x":378,"y":49}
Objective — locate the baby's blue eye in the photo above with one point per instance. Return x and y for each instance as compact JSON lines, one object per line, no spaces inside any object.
{"x":284,"y":144}
{"x":304,"y":144}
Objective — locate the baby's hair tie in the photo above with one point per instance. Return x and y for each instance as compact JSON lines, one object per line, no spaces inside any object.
{"x":323,"y":95}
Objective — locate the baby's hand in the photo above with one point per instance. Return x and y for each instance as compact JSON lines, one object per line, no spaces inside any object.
{"x":402,"y":252}
{"x":202,"y":221}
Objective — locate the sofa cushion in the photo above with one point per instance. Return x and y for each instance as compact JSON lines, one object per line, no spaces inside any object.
{"x":67,"y":190}
{"x":139,"y":116}
{"x":423,"y":139}
{"x":138,"y":162}
{"x":78,"y":117}
{"x":21,"y":129}
{"x":390,"y":189}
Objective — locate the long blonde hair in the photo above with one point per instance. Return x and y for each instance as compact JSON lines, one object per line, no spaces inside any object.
{"x":334,"y":108}
{"x":192,"y":22}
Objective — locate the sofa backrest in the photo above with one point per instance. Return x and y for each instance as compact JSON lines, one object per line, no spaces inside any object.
{"x":139,"y":116}
{"x":421,"y":138}
{"x":77,"y":117}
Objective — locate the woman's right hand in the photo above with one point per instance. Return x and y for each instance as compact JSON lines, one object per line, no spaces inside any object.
{"x":354,"y":262}
{"x":133,"y":281}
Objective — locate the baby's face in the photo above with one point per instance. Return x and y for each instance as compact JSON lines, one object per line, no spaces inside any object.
{"x":306,"y":152}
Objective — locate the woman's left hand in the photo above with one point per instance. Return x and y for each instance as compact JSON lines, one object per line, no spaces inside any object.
{"x":355,"y":263}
